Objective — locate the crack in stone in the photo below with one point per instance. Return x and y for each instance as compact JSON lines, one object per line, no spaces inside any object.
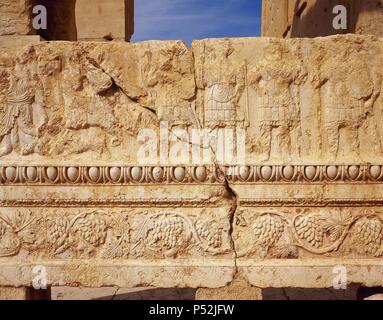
{"x":233,"y":210}
{"x":285,"y":294}
{"x":121,"y":89}
{"x":231,"y":192}
{"x":193,"y":144}
{"x":235,"y":202}
{"x":115,"y":294}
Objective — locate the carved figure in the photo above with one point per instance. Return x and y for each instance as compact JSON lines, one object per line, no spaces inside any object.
{"x":278,"y":108}
{"x":24,"y":116}
{"x":349,"y":94}
{"x":223,"y":90}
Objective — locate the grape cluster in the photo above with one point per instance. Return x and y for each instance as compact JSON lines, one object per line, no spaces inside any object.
{"x":167,"y":230}
{"x":92,"y":230}
{"x":370,"y":232}
{"x":214,"y":239}
{"x":308,"y":228}
{"x":268,"y":229}
{"x":57,"y":229}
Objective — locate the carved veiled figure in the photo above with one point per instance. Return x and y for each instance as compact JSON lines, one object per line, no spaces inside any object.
{"x":23,"y":115}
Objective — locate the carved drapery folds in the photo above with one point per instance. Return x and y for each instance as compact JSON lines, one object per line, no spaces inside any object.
{"x":298,"y":100}
{"x":77,"y":193}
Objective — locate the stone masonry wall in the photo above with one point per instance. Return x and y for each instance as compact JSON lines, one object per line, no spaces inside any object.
{"x":15,"y":17}
{"x":87,"y":194}
{"x":313,"y":18}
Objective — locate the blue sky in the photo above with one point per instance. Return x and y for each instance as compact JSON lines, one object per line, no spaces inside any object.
{"x":196,"y":19}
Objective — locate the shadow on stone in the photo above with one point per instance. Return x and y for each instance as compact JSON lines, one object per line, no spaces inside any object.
{"x":309,"y":294}
{"x":154,"y":294}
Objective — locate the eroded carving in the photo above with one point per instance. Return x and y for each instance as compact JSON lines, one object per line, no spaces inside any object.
{"x":315,"y":232}
{"x":349,"y":92}
{"x":138,"y":175}
{"x":168,"y":234}
{"x":278,"y":102}
{"x":110,"y":235}
{"x":24,"y":116}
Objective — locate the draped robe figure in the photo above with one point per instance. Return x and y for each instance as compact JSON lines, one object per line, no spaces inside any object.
{"x":23,"y":116}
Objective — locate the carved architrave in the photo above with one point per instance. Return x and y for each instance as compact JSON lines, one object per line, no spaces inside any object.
{"x":99,"y":182}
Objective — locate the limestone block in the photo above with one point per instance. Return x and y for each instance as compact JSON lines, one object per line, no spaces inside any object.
{"x":287,"y":96}
{"x":15,"y":17}
{"x":94,"y":99}
{"x":275,"y":18}
{"x":101,"y":20}
{"x":61,"y":20}
{"x":96,"y":201}
{"x":370,"y":18}
{"x":239,"y":289}
{"x":9,"y":293}
{"x":17,"y":41}
{"x":297,"y":222}
{"x":90,"y":101}
{"x":314,"y":18}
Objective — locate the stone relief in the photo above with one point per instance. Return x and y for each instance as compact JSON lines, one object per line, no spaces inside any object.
{"x":349,"y":92}
{"x":277,"y":105}
{"x":189,"y":175}
{"x":284,"y":234}
{"x":76,"y":101}
{"x":72,"y":187}
{"x":23,"y":116}
{"x":111,"y":235}
{"x":16,"y":230}
{"x":88,"y":112}
{"x":222,"y":87}
{"x":303,"y":233}
{"x":298,"y":102}
{"x":220,"y":106}
{"x":168,"y":234}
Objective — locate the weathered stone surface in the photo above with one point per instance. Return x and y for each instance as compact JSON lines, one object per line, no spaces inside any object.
{"x":292,"y":193}
{"x":94,"y":98}
{"x":288,"y":97}
{"x":70,"y":20}
{"x":101,"y":20}
{"x":15,"y":17}
{"x":10,"y":293}
{"x":239,"y":289}
{"x":17,"y":41}
{"x":314,"y":18}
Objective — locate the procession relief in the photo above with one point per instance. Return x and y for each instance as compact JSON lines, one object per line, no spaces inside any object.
{"x":259,"y":95}
{"x":297,"y":101}
{"x":61,"y":105}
